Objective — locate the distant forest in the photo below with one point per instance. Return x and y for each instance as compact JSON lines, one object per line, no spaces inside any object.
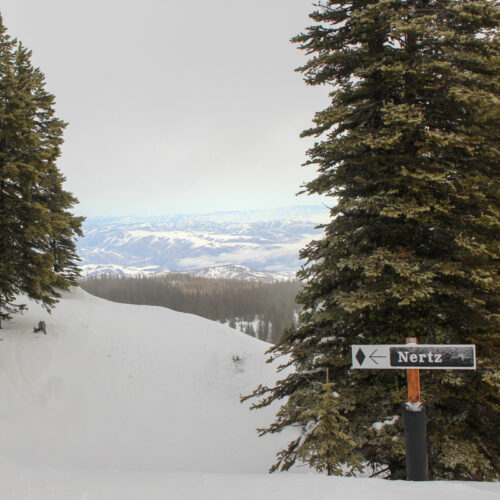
{"x":262,"y":310}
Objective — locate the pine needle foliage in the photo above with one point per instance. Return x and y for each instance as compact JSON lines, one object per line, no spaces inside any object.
{"x":326,"y":444}
{"x":37,"y":228}
{"x":408,"y":151}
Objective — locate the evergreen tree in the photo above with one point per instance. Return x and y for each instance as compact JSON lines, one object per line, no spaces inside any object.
{"x":249,"y":330}
{"x":409,"y":154}
{"x":326,"y":444}
{"x":37,"y":230}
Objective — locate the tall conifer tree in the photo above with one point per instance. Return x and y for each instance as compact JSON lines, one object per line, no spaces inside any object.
{"x":409,"y":153}
{"x":37,"y":229}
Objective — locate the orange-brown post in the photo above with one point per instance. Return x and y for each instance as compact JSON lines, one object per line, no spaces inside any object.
{"x":413,"y":375}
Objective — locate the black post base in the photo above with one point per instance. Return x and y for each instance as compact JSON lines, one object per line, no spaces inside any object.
{"x":415,"y":424}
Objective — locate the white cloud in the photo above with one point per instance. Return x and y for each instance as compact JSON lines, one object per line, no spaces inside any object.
{"x":185,"y":107}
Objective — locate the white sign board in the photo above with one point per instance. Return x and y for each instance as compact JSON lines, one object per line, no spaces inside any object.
{"x":404,"y":356}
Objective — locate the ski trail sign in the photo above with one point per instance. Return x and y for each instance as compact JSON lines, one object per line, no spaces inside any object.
{"x":405,"y":356}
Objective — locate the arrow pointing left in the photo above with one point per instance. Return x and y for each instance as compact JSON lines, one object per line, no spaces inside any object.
{"x":372,"y":356}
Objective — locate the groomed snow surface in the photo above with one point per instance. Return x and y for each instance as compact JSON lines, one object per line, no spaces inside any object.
{"x":136,"y":402}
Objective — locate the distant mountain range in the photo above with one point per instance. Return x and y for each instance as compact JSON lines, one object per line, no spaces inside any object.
{"x":231,"y":271}
{"x":226,"y":244}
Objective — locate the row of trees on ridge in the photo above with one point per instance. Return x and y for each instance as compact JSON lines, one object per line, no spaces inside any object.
{"x":262,"y":310}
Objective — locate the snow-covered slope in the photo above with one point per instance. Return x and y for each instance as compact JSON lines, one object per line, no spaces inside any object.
{"x":121,"y":402}
{"x":134,"y":387}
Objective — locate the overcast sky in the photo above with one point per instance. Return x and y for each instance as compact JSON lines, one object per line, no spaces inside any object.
{"x":175,"y":107}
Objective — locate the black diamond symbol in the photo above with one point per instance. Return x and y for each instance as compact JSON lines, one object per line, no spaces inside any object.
{"x":360,"y":356}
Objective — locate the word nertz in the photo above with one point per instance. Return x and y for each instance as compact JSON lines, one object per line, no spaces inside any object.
{"x":411,"y":357}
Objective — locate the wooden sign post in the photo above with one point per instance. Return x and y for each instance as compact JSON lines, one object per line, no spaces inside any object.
{"x":413,"y":376}
{"x":413,"y":357}
{"x":415,"y":425}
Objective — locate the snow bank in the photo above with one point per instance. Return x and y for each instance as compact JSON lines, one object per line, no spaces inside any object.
{"x":50,"y":484}
{"x":136,"y":387}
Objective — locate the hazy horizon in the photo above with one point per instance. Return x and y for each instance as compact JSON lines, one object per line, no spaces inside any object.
{"x":319,"y":210}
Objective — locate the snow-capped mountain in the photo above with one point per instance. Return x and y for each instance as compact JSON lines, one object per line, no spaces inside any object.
{"x":89,"y":270}
{"x":217,"y":272}
{"x":241,"y":273}
{"x":262,"y":240}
